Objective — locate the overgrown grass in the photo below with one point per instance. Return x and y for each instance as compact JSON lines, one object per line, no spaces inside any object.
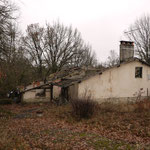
{"x":58,"y":129}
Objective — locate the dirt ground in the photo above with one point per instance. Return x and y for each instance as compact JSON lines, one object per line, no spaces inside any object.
{"x":45,"y":126}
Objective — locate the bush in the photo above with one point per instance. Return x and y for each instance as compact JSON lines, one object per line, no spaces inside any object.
{"x":84,"y":108}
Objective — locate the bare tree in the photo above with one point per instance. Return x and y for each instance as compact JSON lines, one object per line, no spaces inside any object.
{"x":112,"y":59}
{"x":6,"y":17}
{"x":139,"y":32}
{"x":66,"y":47}
{"x":85,"y":57}
{"x":15,"y":68}
{"x":34,"y":45}
{"x":56,"y":46}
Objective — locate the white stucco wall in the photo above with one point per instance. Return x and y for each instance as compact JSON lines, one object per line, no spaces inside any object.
{"x":118,"y":82}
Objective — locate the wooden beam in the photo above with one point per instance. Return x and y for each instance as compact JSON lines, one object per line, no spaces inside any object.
{"x":38,"y":87}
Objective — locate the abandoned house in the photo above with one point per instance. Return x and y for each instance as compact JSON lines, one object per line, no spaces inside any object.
{"x":128,"y":80}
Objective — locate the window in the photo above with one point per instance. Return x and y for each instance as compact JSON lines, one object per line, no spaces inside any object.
{"x":138,"y":72}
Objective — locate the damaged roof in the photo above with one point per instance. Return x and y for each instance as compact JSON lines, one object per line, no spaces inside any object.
{"x":67,"y":77}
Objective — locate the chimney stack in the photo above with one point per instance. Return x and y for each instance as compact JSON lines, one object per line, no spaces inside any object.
{"x":126,"y":50}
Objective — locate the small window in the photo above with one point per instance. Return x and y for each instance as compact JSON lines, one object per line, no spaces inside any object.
{"x":138,"y":72}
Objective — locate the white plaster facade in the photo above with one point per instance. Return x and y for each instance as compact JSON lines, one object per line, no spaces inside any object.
{"x":117,"y":83}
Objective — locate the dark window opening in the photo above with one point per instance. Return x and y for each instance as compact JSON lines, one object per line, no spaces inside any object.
{"x":138,"y":72}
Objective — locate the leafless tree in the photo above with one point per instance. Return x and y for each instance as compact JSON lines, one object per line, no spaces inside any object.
{"x":34,"y":45}
{"x":139,"y":32}
{"x":12,"y":43}
{"x":85,"y":57}
{"x":13,"y":64}
{"x":66,"y":47}
{"x":56,"y":46}
{"x":112,"y":59}
{"x":7,"y":10}
{"x":15,"y":69}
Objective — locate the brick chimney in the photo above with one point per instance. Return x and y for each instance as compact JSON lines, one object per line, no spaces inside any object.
{"x":126,"y":50}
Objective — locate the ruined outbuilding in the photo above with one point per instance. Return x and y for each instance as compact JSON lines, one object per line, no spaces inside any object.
{"x":60,"y":85}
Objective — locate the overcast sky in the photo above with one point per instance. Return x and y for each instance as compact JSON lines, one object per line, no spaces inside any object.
{"x":101,"y":22}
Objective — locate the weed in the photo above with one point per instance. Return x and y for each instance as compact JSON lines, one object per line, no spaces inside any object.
{"x":83,"y":108}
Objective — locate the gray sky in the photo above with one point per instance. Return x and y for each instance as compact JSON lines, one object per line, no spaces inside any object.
{"x":101,"y":22}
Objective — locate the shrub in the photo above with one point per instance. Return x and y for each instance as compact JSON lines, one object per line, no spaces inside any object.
{"x":84,"y":108}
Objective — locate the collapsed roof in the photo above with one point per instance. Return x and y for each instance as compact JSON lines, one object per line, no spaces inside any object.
{"x":67,"y":77}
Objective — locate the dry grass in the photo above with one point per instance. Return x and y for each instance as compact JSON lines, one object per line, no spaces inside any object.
{"x":21,"y":128}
